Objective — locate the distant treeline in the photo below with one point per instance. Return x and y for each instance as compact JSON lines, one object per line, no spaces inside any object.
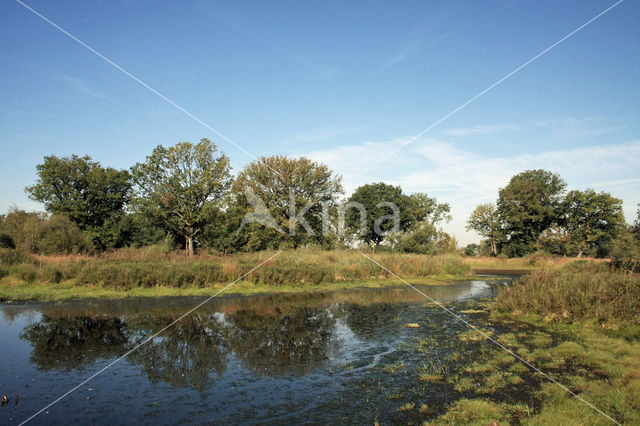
{"x":534,"y":213}
{"x":185,"y":196}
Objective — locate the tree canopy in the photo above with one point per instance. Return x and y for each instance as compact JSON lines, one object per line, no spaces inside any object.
{"x":92,"y":196}
{"x":282,"y":201}
{"x":381,"y":203}
{"x":533,"y":213}
{"x":180,"y":185}
{"x":486,"y":222}
{"x":374,"y":210}
{"x":527,"y":206}
{"x":592,"y":220}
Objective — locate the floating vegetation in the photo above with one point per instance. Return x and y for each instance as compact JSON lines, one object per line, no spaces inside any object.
{"x":394,"y":368}
{"x":407,"y":406}
{"x":433,"y":371}
{"x":473,"y":311}
{"x":476,"y":335}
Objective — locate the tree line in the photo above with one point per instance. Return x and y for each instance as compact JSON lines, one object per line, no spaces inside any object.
{"x":185,"y":195}
{"x":535,"y":213}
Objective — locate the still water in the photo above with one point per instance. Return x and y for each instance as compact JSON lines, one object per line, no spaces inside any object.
{"x":323,"y":357}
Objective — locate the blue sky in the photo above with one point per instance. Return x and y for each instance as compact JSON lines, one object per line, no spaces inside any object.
{"x":341,"y":82}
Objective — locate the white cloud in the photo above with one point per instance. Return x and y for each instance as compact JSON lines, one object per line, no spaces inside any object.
{"x":464,"y":178}
{"x":82,"y":87}
{"x":482,"y":129}
{"x":320,"y":134}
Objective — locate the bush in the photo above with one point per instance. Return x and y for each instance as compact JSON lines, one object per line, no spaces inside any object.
{"x":6,"y":241}
{"x":59,"y":235}
{"x":24,"y":271}
{"x":625,"y":253}
{"x":10,"y":257}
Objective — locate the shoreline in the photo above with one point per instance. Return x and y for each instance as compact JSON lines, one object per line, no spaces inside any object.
{"x":23,"y":292}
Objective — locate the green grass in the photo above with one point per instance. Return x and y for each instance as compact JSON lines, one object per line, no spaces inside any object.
{"x":602,"y":370}
{"x":14,"y":290}
{"x":579,"y":324}
{"x":582,"y":291}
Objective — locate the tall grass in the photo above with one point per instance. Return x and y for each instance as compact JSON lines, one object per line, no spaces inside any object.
{"x":578,"y":291}
{"x":153,"y":267}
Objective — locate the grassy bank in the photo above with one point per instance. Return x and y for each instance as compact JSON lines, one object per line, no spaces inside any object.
{"x":603,"y":370}
{"x":149,"y":272}
{"x":579,"y":325}
{"x":582,"y":291}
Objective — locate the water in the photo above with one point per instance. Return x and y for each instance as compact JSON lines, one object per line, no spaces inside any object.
{"x":338,"y":357}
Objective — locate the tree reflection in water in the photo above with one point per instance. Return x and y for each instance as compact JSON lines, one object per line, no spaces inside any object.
{"x":186,"y":354}
{"x":270,"y":334}
{"x":281,"y":342}
{"x":192,"y":352}
{"x":72,"y":341}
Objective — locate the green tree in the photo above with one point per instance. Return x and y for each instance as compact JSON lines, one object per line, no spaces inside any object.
{"x":279,"y":202}
{"x":23,"y":228}
{"x":92,"y":196}
{"x":446,"y":243}
{"x":423,"y":208}
{"x":38,"y":233}
{"x":385,"y":208}
{"x":486,"y":222}
{"x":472,"y":249}
{"x":179,"y":186}
{"x":592,"y":220}
{"x":422,"y":240}
{"x":58,"y":235}
{"x":527,"y":206}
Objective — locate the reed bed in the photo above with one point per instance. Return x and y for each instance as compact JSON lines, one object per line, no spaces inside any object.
{"x":152,"y":267}
{"x":578,"y":291}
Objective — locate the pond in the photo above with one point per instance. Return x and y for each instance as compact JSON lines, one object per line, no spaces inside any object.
{"x":324,"y":357}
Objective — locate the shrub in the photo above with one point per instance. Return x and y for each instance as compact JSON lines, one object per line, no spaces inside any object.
{"x":59,"y":235}
{"x":625,"y":253}
{"x":10,"y":257}
{"x":6,"y":241}
{"x":24,"y":271}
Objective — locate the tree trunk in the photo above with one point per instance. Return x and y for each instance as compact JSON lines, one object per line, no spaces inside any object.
{"x":494,"y":248}
{"x":189,"y":246}
{"x":580,"y":254}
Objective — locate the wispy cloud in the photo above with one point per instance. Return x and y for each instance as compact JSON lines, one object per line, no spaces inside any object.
{"x":315,"y":135}
{"x":417,"y":44}
{"x":82,"y":87}
{"x":482,"y":129}
{"x":557,"y":128}
{"x":577,"y":128}
{"x":465,"y":178}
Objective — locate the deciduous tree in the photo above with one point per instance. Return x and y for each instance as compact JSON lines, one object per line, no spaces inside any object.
{"x":179,"y":186}
{"x":280,"y":201}
{"x":486,"y":222}
{"x":527,"y":206}
{"x":92,"y":196}
{"x":592,"y":220}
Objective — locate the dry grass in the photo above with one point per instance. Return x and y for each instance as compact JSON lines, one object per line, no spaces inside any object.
{"x":151,"y":267}
{"x":579,"y":291}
